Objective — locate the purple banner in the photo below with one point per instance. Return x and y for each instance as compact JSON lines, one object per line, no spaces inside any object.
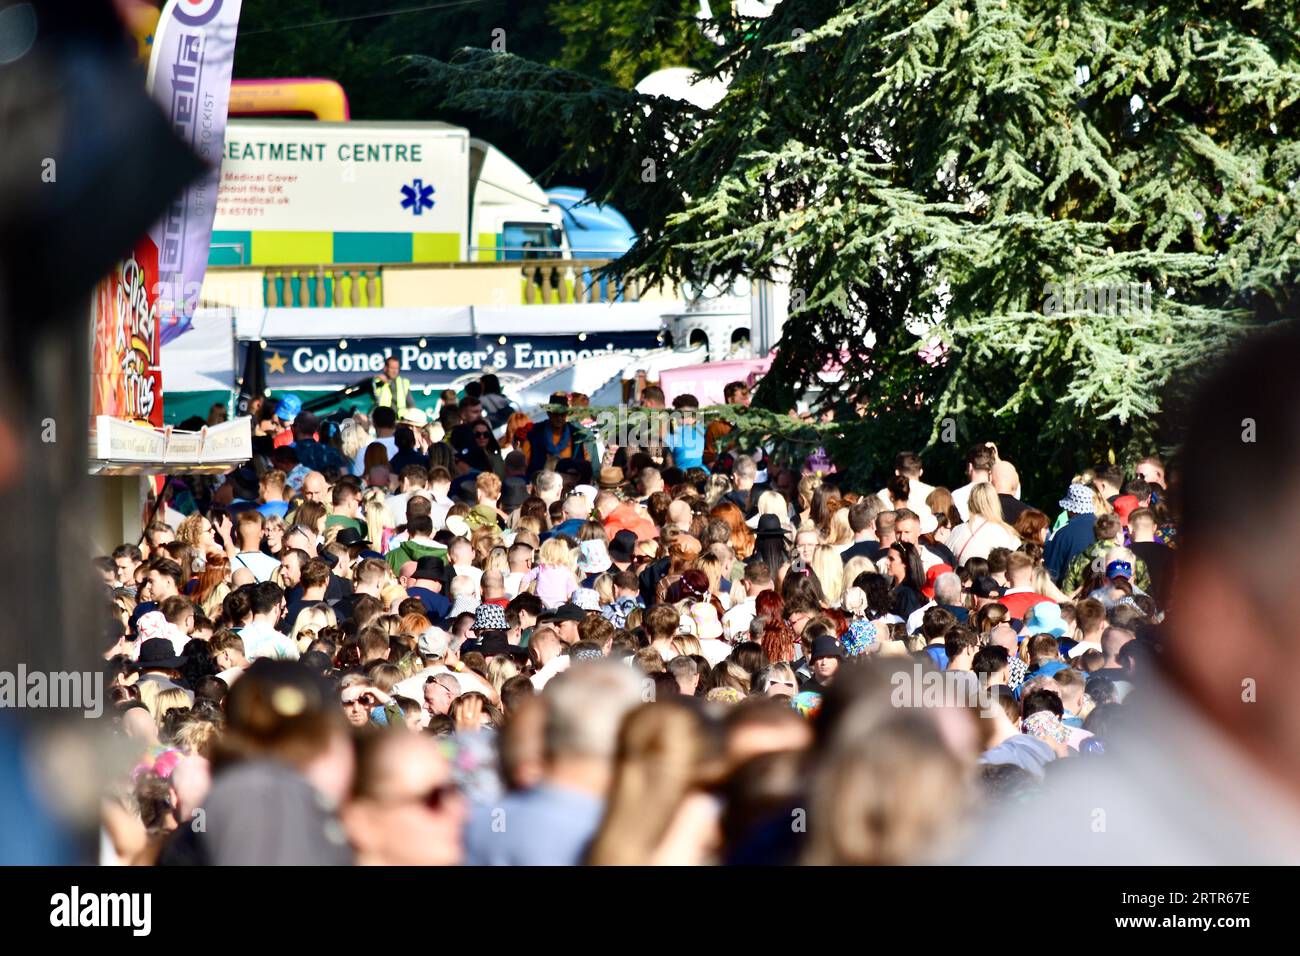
{"x":189,"y":76}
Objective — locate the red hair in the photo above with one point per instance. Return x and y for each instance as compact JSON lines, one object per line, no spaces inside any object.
{"x":769,"y":604}
{"x":778,"y":640}
{"x":742,"y":538}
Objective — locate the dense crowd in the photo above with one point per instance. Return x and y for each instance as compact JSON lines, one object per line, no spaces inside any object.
{"x":478,"y":638}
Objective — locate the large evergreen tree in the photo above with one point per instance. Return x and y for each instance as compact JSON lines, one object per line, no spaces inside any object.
{"x":962,"y":195}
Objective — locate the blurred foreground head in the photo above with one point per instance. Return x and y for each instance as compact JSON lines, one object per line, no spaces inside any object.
{"x":1235,"y":606}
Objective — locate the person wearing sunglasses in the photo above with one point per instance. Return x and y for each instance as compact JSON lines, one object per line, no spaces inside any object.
{"x":405,"y":809}
{"x":482,"y":453}
{"x":777,"y":681}
{"x":359,"y":697}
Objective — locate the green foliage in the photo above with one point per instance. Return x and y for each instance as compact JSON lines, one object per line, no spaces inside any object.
{"x":786,"y":439}
{"x":622,"y":41}
{"x":921,"y":172}
{"x":365,"y":52}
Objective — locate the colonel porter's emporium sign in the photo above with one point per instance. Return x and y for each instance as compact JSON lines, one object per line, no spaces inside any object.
{"x":308,"y":363}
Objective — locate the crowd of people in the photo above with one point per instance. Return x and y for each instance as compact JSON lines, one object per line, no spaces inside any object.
{"x":481,"y":639}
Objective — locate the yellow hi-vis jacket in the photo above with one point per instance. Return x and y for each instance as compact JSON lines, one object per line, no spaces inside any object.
{"x":393,"y":394}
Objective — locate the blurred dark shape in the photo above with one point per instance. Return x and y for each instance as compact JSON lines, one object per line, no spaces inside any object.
{"x":88,"y":164}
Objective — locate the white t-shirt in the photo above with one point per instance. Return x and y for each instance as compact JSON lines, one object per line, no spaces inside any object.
{"x":413,"y":686}
{"x":397,"y":506}
{"x":262,"y":640}
{"x":915,"y":619}
{"x":555,"y":665}
{"x":976,"y":538}
{"x":231,"y":674}
{"x":715,"y":650}
{"x":262,"y":565}
{"x":737,"y":620}
{"x":961,"y":500}
{"x":469,"y":571}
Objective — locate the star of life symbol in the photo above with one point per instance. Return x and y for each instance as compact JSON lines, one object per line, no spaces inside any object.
{"x":416,"y":197}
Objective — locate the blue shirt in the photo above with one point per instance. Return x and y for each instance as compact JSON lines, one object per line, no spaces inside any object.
{"x":318,"y":457}
{"x":274,"y":509}
{"x":687,"y":446}
{"x":939,"y":654}
{"x":434,"y":603}
{"x":545,"y":826}
{"x":1047,"y":670}
{"x":571,"y":527}
{"x":1070,"y":540}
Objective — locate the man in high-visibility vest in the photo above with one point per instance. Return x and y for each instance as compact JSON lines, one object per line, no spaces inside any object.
{"x":391,"y":389}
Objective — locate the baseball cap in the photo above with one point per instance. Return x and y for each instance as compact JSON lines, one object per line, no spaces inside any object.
{"x":986,"y":587}
{"x":433,"y":642}
{"x":568,"y":611}
{"x":289,"y":408}
{"x":1119,"y":569}
{"x":826,"y":645}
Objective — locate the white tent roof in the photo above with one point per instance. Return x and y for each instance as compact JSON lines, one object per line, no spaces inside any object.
{"x":203,"y":358}
{"x":591,"y":318}
{"x":253,"y":324}
{"x":589,"y":376}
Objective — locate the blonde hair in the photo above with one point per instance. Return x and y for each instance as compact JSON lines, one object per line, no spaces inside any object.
{"x":488,"y":483}
{"x":808,"y":486}
{"x":841,"y":532}
{"x":197,"y":738}
{"x":687,"y":645}
{"x":378,"y":518}
{"x":497,"y":560}
{"x":352,"y":438}
{"x":985,"y":503}
{"x":663,"y":753}
{"x":391,"y":595}
{"x":500,"y":669}
{"x":854,"y":567}
{"x":774,"y":503}
{"x":168,"y":698}
{"x":715,"y":488}
{"x":316,"y":618}
{"x":1043,"y":583}
{"x":555,"y":553}
{"x":604,"y":587}
{"x":829,"y":568}
{"x":190,"y":531}
{"x":715,"y":570}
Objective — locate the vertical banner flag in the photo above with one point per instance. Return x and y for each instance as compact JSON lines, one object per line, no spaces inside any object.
{"x":189,"y":75}
{"x":151,"y":296}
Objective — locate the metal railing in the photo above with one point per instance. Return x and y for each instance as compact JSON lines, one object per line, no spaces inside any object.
{"x":528,"y":282}
{"x":338,"y":287}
